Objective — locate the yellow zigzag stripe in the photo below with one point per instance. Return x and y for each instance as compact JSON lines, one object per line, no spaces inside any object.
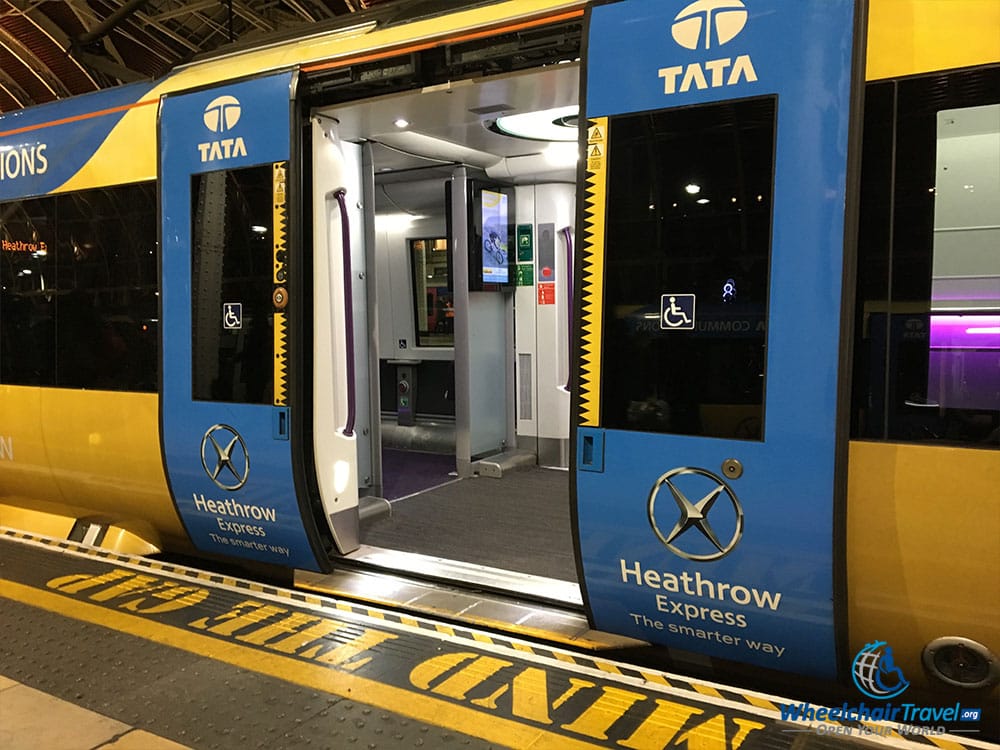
{"x":280,"y":319}
{"x":280,"y":216}
{"x":592,"y":284}
{"x":280,"y":360}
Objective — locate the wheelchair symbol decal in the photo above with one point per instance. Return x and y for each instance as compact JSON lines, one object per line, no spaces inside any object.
{"x":232,"y":315}
{"x":677,"y":312}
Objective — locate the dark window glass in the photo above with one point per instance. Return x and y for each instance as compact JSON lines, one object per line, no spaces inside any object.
{"x":27,"y":297}
{"x":927,"y":333}
{"x":107,"y":332}
{"x":689,"y":213}
{"x":79,"y":306}
{"x":232,"y":263}
{"x":433,"y":299}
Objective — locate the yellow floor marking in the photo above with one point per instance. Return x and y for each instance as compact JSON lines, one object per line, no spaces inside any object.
{"x":656,"y":679}
{"x":606,"y":666}
{"x":408,"y":703}
{"x":943,"y":743}
{"x":565,"y":657}
{"x":706,"y":690}
{"x":523,"y":647}
{"x":447,"y":630}
{"x":760,"y":702}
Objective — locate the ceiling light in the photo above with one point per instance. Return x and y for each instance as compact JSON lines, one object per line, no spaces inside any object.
{"x":398,"y":222}
{"x":692,"y":189}
{"x":401,"y":123}
{"x":702,"y":201}
{"x":562,"y":154}
{"x":559,"y":124}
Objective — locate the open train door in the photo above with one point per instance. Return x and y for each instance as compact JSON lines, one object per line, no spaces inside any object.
{"x":710,"y":444}
{"x":227,"y":417}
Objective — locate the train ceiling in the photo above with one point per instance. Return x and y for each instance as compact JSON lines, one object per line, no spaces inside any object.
{"x":51,"y":50}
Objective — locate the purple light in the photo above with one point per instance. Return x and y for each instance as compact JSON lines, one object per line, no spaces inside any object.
{"x":965,"y":332}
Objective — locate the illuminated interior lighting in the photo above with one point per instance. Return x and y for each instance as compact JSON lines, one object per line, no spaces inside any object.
{"x":983,"y":329}
{"x":562,"y":153}
{"x":341,"y":476}
{"x":559,"y":124}
{"x":702,"y":201}
{"x":401,"y":123}
{"x":396,"y":222}
{"x":258,"y":229}
{"x":692,"y":189}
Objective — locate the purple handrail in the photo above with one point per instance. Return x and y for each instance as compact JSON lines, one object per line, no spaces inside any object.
{"x":345,"y":230}
{"x":568,"y":235}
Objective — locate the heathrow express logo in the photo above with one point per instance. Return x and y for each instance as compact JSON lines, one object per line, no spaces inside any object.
{"x":222,"y":113}
{"x":709,"y":23}
{"x":224,"y":457}
{"x":706,"y":544}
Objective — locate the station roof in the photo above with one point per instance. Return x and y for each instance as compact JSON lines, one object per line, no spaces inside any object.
{"x":52,"y":50}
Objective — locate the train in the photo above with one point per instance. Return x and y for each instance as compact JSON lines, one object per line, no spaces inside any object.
{"x":686,"y":311}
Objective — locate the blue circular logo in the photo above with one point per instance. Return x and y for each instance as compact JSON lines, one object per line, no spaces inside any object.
{"x":875,"y":674}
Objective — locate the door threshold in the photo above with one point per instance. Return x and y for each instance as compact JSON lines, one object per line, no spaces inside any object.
{"x":549,"y":610}
{"x":497,"y":580}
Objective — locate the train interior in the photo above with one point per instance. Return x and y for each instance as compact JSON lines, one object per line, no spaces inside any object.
{"x":467,"y":345}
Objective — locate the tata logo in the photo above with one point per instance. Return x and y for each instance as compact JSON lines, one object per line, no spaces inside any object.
{"x":221,"y":115}
{"x":701,"y":22}
{"x":706,"y":24}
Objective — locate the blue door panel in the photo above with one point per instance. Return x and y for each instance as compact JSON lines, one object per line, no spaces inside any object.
{"x":229,"y":464}
{"x":762,"y":590}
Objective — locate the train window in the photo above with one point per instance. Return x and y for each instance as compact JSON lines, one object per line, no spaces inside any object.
{"x":232,"y":262}
{"x":106,"y":308}
{"x":434,"y":311}
{"x":27,"y":302}
{"x":689,"y":223}
{"x":79,"y":305}
{"x":927,"y":336}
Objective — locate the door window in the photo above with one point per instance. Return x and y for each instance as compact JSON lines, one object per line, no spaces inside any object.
{"x":687,"y":257}
{"x":232,"y":262}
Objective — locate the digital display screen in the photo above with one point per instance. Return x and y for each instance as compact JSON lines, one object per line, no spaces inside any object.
{"x":495,"y":238}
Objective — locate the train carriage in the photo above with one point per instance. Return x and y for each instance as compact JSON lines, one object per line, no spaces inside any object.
{"x":683,"y":315}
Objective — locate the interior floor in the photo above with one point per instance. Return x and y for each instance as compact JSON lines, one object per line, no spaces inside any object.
{"x":519,"y":522}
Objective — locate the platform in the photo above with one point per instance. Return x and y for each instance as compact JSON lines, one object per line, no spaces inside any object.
{"x":168,"y":654}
